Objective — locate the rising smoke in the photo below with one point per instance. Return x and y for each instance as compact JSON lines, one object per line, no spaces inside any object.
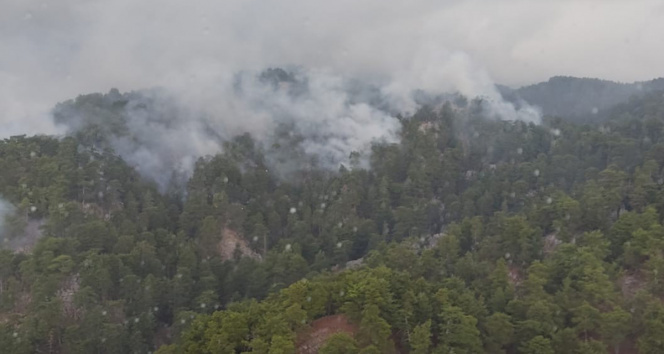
{"x":167,"y":130}
{"x":6,"y":209}
{"x":161,"y":132}
{"x":206,"y":58}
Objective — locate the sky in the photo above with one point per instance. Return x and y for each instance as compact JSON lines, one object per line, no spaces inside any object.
{"x":55,"y":50}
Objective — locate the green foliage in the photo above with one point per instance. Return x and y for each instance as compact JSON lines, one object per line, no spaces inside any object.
{"x":469,"y":235}
{"x":499,"y":332}
{"x":339,"y":343}
{"x":420,"y":339}
{"x":537,"y":345}
{"x":374,"y":330}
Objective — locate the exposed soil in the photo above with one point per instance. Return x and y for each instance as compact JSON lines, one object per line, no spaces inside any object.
{"x":313,"y":337}
{"x":68,"y":290}
{"x":230,"y":241}
{"x":631,"y":283}
{"x":515,"y":276}
{"x":551,"y":241}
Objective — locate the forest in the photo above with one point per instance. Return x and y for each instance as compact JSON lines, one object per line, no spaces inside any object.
{"x":468,"y":235}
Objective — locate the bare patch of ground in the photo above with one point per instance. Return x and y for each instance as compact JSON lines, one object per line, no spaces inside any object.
{"x":230,"y":241}
{"x":311,"y":339}
{"x":515,"y":276}
{"x":163,"y":336}
{"x":551,"y":241}
{"x":66,"y":294}
{"x":631,"y":283}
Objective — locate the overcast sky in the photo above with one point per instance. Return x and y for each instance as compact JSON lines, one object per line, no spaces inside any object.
{"x":54,"y":50}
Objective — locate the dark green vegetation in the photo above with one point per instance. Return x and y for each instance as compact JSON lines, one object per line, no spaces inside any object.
{"x":580,"y":98}
{"x":476,"y":236}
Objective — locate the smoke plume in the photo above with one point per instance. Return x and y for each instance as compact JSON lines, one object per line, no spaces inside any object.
{"x":160,"y":132}
{"x":198,"y":53}
{"x":6,"y":209}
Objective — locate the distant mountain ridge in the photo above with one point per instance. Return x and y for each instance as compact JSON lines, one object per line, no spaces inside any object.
{"x":580,"y":98}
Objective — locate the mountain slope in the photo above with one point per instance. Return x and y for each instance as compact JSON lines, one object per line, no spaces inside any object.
{"x":474,"y":235}
{"x":583,"y":98}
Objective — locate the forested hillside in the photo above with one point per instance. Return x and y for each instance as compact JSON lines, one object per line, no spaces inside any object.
{"x":581,"y":98}
{"x":467,"y":236}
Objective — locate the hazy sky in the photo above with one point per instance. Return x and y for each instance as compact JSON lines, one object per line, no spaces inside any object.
{"x":54,"y":50}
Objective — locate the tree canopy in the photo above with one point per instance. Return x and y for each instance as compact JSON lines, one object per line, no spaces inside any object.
{"x":469,"y":235}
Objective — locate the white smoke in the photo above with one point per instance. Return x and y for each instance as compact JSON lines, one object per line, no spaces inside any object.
{"x":193,"y":51}
{"x":437,"y":70}
{"x":330,"y":122}
{"x":166,"y":131}
{"x":6,"y":209}
{"x":53,"y":51}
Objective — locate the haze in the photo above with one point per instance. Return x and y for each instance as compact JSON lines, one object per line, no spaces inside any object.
{"x":52,"y":51}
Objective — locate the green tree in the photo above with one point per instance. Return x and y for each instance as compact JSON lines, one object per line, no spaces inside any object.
{"x":499,"y":331}
{"x":592,"y":347}
{"x":374,"y":330}
{"x":614,"y":327}
{"x":537,"y":345}
{"x":420,"y":339}
{"x":458,"y":331}
{"x":586,"y":318}
{"x":650,"y":340}
{"x":281,"y":345}
{"x":339,"y":343}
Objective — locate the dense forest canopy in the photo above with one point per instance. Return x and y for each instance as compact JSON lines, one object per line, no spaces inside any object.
{"x":466,"y":235}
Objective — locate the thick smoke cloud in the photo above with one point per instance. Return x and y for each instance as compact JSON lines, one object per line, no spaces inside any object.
{"x":53,"y":51}
{"x":436,"y":70}
{"x":296,"y":116}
